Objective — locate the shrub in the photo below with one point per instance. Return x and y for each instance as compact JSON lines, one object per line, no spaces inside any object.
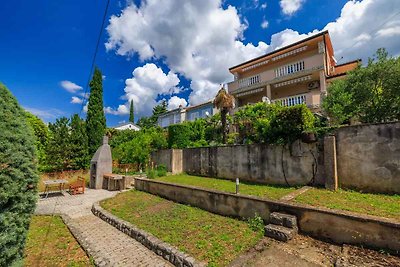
{"x":18,"y":178}
{"x":179,"y":135}
{"x":151,"y":174}
{"x":256,"y":224}
{"x":161,"y":170}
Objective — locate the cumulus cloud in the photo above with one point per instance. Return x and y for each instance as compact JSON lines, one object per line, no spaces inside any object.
{"x":76,"y":100}
{"x":264,"y":24}
{"x":147,"y":83}
{"x":70,"y":86}
{"x":289,"y":7}
{"x":175,"y":101}
{"x":198,"y":39}
{"x":263,"y":6}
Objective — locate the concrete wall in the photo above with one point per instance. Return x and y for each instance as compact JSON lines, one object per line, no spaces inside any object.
{"x":266,"y":164}
{"x":337,"y":226}
{"x":368,"y":157}
{"x":171,"y":158}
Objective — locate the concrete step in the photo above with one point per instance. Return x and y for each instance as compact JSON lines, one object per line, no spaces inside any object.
{"x":279,"y":232}
{"x":283,"y":219}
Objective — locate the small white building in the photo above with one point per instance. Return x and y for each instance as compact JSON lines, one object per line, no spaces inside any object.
{"x":127,"y":126}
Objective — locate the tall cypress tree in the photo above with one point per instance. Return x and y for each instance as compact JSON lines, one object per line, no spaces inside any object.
{"x":18,"y":179}
{"x":79,"y":143}
{"x":131,"y":113}
{"x":95,"y":119}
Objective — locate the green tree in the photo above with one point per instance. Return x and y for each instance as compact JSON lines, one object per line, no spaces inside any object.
{"x":95,"y":119}
{"x":18,"y":178}
{"x":131,"y":113}
{"x":224,"y":102}
{"x":148,"y":122}
{"x":59,"y":152}
{"x":41,"y":132}
{"x":368,"y":94}
{"x":79,"y":143}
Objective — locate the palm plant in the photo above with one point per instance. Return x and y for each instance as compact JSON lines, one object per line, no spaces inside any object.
{"x":224,"y":102}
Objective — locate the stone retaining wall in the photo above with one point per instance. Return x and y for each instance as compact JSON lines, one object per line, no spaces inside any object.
{"x":161,"y":248}
{"x":337,"y":226}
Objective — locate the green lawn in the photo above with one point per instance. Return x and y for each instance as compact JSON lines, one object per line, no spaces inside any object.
{"x":206,"y":236}
{"x":259,"y":190}
{"x":372,"y":204}
{"x":50,"y":243}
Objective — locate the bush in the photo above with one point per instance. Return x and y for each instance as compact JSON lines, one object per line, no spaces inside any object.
{"x":179,"y":135}
{"x":161,"y":170}
{"x":256,"y":224}
{"x":18,"y":178}
{"x":151,"y":174}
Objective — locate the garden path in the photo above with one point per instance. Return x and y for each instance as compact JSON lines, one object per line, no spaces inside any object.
{"x":104,"y":243}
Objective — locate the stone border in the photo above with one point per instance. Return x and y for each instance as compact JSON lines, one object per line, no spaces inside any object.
{"x":165,"y":250}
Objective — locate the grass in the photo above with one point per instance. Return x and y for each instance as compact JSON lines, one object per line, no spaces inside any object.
{"x":70,"y":176}
{"x":245,"y":188}
{"x":206,"y":236}
{"x":50,"y":243}
{"x":371,"y":204}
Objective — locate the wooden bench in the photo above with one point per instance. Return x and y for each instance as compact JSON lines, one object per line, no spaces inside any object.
{"x":77,"y":187}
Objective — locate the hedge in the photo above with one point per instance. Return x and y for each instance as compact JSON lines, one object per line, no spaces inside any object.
{"x":18,"y":178}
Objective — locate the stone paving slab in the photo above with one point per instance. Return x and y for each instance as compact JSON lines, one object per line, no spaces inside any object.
{"x":107,"y":245}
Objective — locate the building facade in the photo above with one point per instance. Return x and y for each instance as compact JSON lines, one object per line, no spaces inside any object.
{"x":127,"y":126}
{"x":295,"y":74}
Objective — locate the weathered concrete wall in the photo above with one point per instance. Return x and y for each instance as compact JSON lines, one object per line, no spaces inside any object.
{"x":368,"y":157}
{"x":257,"y":163}
{"x":171,"y":158}
{"x":337,"y":226}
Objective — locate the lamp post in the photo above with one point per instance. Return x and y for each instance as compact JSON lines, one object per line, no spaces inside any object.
{"x":237,"y":185}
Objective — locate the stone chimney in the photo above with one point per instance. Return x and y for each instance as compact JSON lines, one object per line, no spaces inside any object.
{"x":100,"y":164}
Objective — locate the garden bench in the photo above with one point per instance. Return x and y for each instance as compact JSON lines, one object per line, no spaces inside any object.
{"x":77,"y":187}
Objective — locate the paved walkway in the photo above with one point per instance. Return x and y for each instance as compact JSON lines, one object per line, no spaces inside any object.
{"x":107,"y":245}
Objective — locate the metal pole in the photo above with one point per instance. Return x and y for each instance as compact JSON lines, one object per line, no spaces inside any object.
{"x":237,"y":185}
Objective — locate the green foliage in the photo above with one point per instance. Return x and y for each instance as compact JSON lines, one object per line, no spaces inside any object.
{"x":59,"y":147}
{"x":41,"y":132}
{"x":161,"y":170}
{"x":79,"y":143}
{"x":136,"y":147}
{"x":149,"y":122}
{"x":256,"y":224}
{"x":131,"y":113}
{"x":287,"y":125}
{"x":151,"y":174}
{"x":95,"y":119}
{"x":18,"y":173}
{"x":370,"y":94}
{"x":179,"y":135}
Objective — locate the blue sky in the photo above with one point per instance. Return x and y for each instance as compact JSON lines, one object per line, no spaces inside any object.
{"x":172,"y":49}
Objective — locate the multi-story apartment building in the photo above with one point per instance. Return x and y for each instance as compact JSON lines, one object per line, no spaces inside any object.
{"x":191,"y":113}
{"x":295,"y":74}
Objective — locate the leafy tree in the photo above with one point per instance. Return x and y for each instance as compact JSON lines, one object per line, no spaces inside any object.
{"x":148,"y":122}
{"x":95,"y":120}
{"x":368,"y":94}
{"x":224,"y":102}
{"x":18,"y":178}
{"x":59,"y":151}
{"x":41,"y":132}
{"x":131,"y":113}
{"x":79,"y":143}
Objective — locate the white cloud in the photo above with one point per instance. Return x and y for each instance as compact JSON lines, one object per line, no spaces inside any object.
{"x":147,"y":82}
{"x":289,"y":7}
{"x":263,"y":6}
{"x":70,"y":86}
{"x":103,"y":77}
{"x":198,"y":39}
{"x":174,"y":102}
{"x":264,"y":24}
{"x":45,"y":114}
{"x":76,"y":100}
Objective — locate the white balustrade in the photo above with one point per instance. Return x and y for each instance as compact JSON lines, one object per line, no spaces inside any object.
{"x":249,"y":81}
{"x":291,"y":100}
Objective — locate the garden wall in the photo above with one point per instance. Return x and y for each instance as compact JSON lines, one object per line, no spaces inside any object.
{"x":368,"y":157}
{"x":337,"y":226}
{"x":362,"y":157}
{"x":260,"y":163}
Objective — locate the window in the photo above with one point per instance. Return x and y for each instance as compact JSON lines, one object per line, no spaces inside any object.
{"x":194,"y":115}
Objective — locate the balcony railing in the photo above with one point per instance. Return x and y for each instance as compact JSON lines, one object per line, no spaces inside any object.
{"x":291,"y":100}
{"x":249,"y":81}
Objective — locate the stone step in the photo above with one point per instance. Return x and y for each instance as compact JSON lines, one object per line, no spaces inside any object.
{"x":279,"y":232}
{"x":286,"y":220}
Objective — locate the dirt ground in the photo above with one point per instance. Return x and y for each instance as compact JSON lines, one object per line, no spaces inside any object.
{"x":305,"y":251}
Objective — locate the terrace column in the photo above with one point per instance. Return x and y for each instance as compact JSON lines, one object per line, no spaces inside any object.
{"x":269,"y":95}
{"x":322,"y":82}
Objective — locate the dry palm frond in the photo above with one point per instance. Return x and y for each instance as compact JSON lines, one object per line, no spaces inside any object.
{"x":224,"y":100}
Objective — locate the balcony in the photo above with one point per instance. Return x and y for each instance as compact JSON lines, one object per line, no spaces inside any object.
{"x":291,"y":100}
{"x":249,"y":81}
